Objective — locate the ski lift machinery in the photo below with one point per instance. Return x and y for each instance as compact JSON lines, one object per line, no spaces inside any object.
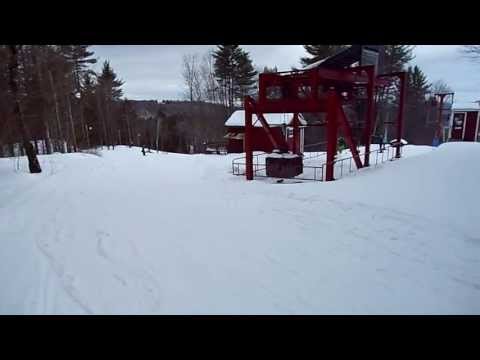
{"x":334,"y":83}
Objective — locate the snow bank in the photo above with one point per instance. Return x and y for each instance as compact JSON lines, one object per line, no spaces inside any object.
{"x":178,"y":234}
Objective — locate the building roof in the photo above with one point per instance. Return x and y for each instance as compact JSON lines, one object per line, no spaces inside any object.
{"x":315,"y":64}
{"x":354,"y":54}
{"x":238,"y":119}
{"x":466,"y":109}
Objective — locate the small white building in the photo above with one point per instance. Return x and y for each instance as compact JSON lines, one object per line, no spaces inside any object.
{"x":281,"y":126}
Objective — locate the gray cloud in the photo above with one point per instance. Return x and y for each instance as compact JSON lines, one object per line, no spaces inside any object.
{"x":153,"y":71}
{"x":446,"y":62}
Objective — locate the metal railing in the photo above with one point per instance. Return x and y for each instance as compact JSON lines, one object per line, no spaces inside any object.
{"x":387,"y":153}
{"x":237,"y":162}
{"x":310,"y":172}
{"x":342,"y":166}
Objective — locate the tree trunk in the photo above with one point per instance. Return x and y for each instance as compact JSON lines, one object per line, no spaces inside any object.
{"x":88,"y":136}
{"x":158,"y":128}
{"x":129,"y":131}
{"x":107,"y":119}
{"x":102,"y":118}
{"x":57,"y":112}
{"x":82,"y":121}
{"x":72,"y":126}
{"x":33,"y":164}
{"x":37,"y":60}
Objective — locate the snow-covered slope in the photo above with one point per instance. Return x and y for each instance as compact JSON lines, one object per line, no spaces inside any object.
{"x":178,"y":234}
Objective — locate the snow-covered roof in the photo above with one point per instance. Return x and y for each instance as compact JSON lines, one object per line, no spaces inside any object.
{"x":315,"y":64}
{"x":466,"y":109}
{"x":238,"y":119}
{"x":403,"y":141}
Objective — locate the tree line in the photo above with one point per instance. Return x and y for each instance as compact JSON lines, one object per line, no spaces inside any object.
{"x":223,"y":76}
{"x":51,"y":100}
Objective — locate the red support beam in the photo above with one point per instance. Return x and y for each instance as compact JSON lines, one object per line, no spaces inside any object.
{"x":439,"y":129}
{"x":248,"y":138}
{"x":270,"y":136}
{"x":291,"y":106}
{"x":296,"y":135}
{"x":347,"y":133}
{"x":332,"y":131}
{"x":370,"y":113}
{"x":345,"y":76}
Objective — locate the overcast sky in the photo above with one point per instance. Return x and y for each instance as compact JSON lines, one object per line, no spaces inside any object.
{"x":153,"y":72}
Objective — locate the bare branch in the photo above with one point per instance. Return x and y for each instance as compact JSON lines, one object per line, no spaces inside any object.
{"x":191,"y":77}
{"x":471,"y":51}
{"x":440,"y":86}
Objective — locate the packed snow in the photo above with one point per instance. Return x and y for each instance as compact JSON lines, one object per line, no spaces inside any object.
{"x":165,"y":233}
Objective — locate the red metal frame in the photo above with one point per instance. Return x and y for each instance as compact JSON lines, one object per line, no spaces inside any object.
{"x":319,"y":90}
{"x":439,"y":129}
{"x":381,"y":81}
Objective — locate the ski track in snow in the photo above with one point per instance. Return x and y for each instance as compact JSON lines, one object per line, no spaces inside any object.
{"x":289,"y":249}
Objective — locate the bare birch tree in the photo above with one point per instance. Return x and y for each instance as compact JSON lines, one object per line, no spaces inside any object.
{"x":191,"y":77}
{"x":207,"y":76}
{"x":471,"y":51}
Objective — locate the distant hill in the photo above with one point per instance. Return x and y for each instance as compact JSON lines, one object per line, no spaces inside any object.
{"x":197,"y":123}
{"x":149,"y":108}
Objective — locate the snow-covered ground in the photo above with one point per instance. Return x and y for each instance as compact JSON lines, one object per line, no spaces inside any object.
{"x":178,"y":234}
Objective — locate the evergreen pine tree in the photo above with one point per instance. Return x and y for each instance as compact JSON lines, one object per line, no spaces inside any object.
{"x":234,"y":72}
{"x":415,"y":120}
{"x":108,"y":91}
{"x":318,"y":52}
{"x":109,"y":81}
{"x":417,"y":85}
{"x":245,"y":75}
{"x":395,"y":57}
{"x":392,"y":58}
{"x":267,"y":69}
{"x":224,"y":69}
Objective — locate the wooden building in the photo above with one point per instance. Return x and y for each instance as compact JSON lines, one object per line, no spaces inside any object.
{"x":280,"y":124}
{"x":465,"y":124}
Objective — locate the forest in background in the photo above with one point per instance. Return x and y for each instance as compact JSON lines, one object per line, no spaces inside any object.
{"x":51,"y":96}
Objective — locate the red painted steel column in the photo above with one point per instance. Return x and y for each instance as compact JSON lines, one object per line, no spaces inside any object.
{"x":332,"y":128}
{"x":438,"y":130}
{"x":268,"y":131}
{"x":347,"y":133}
{"x":440,"y":116}
{"x":370,"y":112}
{"x":248,"y":140}
{"x":296,"y":133}
{"x":403,"y":88}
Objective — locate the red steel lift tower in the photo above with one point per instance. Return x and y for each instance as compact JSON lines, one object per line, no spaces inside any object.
{"x":439,"y":128}
{"x":325,"y":88}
